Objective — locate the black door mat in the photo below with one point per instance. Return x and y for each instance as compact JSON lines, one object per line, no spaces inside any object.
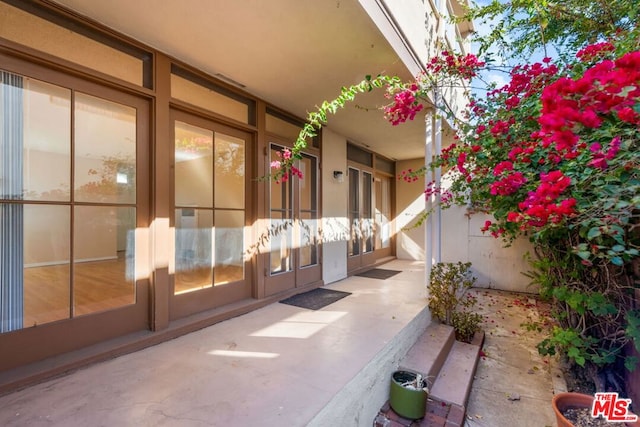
{"x":315,"y":299}
{"x":378,"y":273}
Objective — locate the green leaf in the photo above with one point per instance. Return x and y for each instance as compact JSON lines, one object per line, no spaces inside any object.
{"x":574,"y":353}
{"x":631,"y":363}
{"x":616,"y":260}
{"x":593,"y":233}
{"x":584,"y":254}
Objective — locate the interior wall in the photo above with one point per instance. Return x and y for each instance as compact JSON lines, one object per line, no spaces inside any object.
{"x":410,"y":204}
{"x":335,"y":226}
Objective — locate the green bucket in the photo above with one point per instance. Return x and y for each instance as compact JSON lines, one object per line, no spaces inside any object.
{"x":407,"y":402}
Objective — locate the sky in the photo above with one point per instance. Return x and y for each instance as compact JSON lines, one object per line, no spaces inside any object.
{"x":497,"y":77}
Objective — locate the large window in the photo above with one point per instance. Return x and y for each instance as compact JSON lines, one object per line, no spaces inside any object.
{"x":68,"y":200}
{"x":209,"y":206}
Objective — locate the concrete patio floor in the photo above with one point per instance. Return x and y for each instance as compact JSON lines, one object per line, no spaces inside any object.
{"x":276,"y":366}
{"x":287,"y":366}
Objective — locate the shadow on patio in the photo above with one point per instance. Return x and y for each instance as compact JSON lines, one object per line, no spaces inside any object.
{"x":279,"y":365}
{"x":287,"y":366}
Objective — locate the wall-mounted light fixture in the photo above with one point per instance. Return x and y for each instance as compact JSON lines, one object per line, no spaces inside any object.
{"x":338,"y":176}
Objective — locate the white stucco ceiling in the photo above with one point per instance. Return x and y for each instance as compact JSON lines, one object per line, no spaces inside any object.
{"x":291,"y":53}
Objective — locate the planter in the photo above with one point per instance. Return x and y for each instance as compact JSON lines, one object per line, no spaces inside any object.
{"x":407,"y":398}
{"x":563,"y":401}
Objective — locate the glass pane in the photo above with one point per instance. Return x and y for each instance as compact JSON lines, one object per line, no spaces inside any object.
{"x":308,"y":243}
{"x":34,"y":120}
{"x":194,"y":252}
{"x":105,"y":151}
{"x":367,"y":217}
{"x":382,"y":228}
{"x":33,"y":31}
{"x":46,"y":264}
{"x":283,"y":128}
{"x":385,"y":165}
{"x":354,"y":211}
{"x":193,"y":93}
{"x":357,"y":154}
{"x":280,"y":193}
{"x":229,"y":261}
{"x":229,"y":172}
{"x":34,"y":262}
{"x":35,"y":134}
{"x":104,"y":270}
{"x":194,"y":166}
{"x":378,"y":215}
{"x":308,"y":185}
{"x":281,"y":242}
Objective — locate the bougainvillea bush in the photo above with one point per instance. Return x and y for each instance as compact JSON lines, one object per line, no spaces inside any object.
{"x":554,"y":156}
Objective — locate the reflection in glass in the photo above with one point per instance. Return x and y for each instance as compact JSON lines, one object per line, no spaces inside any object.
{"x":105,"y":151}
{"x":229,"y":232}
{"x":281,"y":242}
{"x":308,"y":211}
{"x":308,"y":243}
{"x":308,"y":185}
{"x":47,"y":136}
{"x":193,"y":166}
{"x":103,"y":275}
{"x":354,"y":211}
{"x":229,"y":171}
{"x":383,"y":213}
{"x":280,"y":228}
{"x":46,"y":264}
{"x":367,"y":213}
{"x":194,"y":255}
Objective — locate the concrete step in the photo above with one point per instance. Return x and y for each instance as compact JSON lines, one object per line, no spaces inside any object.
{"x":454,"y":380}
{"x":361,"y":398}
{"x":450,"y":366}
{"x":430,"y":351}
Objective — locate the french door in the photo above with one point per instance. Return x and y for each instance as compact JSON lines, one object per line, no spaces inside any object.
{"x":292,"y":230}
{"x":383,"y":224}
{"x":360,"y":251}
{"x":211,"y":195}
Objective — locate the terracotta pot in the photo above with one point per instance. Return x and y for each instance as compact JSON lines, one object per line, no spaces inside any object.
{"x":564,"y":401}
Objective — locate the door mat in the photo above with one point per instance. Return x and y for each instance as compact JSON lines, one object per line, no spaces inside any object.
{"x":378,"y":273}
{"x":315,"y":299}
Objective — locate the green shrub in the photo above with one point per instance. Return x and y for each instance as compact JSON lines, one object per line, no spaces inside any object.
{"x":466,"y":324}
{"x":448,"y":301}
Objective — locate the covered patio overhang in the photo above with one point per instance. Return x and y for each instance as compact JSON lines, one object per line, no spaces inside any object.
{"x":292,"y":54}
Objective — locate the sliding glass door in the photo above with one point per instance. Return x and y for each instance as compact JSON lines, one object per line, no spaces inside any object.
{"x":73,"y":193}
{"x":211,"y":188}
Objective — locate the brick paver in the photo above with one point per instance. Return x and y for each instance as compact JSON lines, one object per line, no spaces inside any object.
{"x":438,"y":414}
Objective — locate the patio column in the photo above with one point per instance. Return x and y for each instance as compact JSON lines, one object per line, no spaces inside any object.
{"x":433,"y":224}
{"x":437,"y":214}
{"x":11,"y":215}
{"x":428,"y":157}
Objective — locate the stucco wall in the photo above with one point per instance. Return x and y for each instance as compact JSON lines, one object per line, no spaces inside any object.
{"x":495,"y":265}
{"x":335,"y":227}
{"x":410,"y":203}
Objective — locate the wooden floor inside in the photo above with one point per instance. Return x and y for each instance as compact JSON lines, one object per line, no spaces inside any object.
{"x":99,"y":286}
